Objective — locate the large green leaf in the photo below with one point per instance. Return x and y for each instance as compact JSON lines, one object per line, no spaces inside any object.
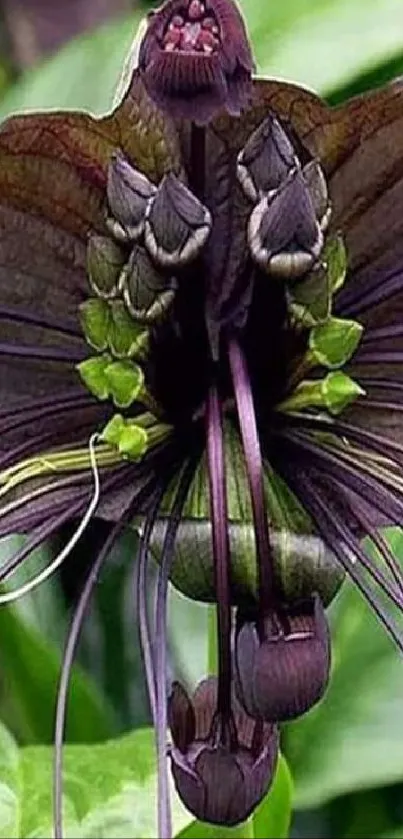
{"x":82,"y":75}
{"x":353,"y":739}
{"x":30,"y":658}
{"x":109,"y":789}
{"x":323,"y":43}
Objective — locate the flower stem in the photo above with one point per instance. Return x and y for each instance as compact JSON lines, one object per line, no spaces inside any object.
{"x":254,"y":466}
{"x":221,"y":549}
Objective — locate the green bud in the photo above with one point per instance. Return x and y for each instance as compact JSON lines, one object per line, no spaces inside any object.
{"x":129,"y":438}
{"x":333,"y":343}
{"x":127,"y":339}
{"x":105,"y":261}
{"x":93,"y":374}
{"x":334,"y":393}
{"x":95,"y":321}
{"x":125,"y":381}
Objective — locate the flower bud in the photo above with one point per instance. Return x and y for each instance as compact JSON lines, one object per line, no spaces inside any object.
{"x":222,"y":768}
{"x":196,"y":60}
{"x":284,"y":672}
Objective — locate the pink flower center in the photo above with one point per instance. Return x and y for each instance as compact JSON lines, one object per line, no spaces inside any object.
{"x":193,"y":30}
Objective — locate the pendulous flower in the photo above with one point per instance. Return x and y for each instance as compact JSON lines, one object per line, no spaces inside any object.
{"x":222,"y":762}
{"x":200,"y":299}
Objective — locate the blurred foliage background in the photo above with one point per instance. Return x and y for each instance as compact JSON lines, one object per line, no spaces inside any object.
{"x":347,"y":755}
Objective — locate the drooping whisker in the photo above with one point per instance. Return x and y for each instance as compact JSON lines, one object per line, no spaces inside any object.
{"x":38,"y":536}
{"x":378,"y":486}
{"x":24,"y":316}
{"x":351,"y":482}
{"x":68,"y":658}
{"x":344,"y":544}
{"x":164,"y":814}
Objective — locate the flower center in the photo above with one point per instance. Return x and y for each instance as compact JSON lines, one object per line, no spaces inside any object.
{"x":193,"y":29}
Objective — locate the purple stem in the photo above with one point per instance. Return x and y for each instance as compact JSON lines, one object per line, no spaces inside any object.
{"x":221,"y":548}
{"x":254,"y":466}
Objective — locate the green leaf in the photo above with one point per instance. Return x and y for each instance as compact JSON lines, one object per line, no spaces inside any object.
{"x":95,"y":319}
{"x":333,"y":343}
{"x":352,"y":740}
{"x":30,"y":666}
{"x":93,"y":373}
{"x":82,"y":75}
{"x":272,"y":818}
{"x":109,"y":789}
{"x":322,"y":43}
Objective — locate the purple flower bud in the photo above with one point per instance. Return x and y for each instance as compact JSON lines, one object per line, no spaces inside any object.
{"x":222,"y":767}
{"x":196,"y":59}
{"x":282,"y":675}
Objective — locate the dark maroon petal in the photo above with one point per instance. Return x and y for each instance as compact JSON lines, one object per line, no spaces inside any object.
{"x":284,"y":674}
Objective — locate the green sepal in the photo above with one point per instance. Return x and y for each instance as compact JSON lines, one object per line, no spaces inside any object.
{"x":105,"y":261}
{"x":310,"y":299}
{"x":334,"y":393}
{"x":126,"y":338}
{"x":333,"y":343}
{"x":129,"y":438}
{"x":309,"y":302}
{"x":335,"y":257}
{"x":93,"y":374}
{"x":95,"y":322}
{"x":125,"y":382}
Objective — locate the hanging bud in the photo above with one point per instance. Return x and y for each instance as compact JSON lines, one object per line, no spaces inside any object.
{"x":128,"y":193}
{"x":148,"y":294}
{"x":177,"y":224}
{"x":222,"y":767}
{"x":284,"y":673}
{"x":266,"y":160}
{"x":196,"y":60}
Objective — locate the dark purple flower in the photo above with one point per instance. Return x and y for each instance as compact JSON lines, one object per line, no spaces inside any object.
{"x":222,"y":763}
{"x":282,"y":662}
{"x":208,"y":320}
{"x":195,"y":59}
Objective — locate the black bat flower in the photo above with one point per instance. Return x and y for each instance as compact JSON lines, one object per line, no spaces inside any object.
{"x":201,"y":300}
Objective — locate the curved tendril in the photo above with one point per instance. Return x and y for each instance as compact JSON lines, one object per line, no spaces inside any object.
{"x":254,"y":465}
{"x":11,"y":596}
{"x":68,"y":657}
{"x":164,"y":813}
{"x":221,"y":547}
